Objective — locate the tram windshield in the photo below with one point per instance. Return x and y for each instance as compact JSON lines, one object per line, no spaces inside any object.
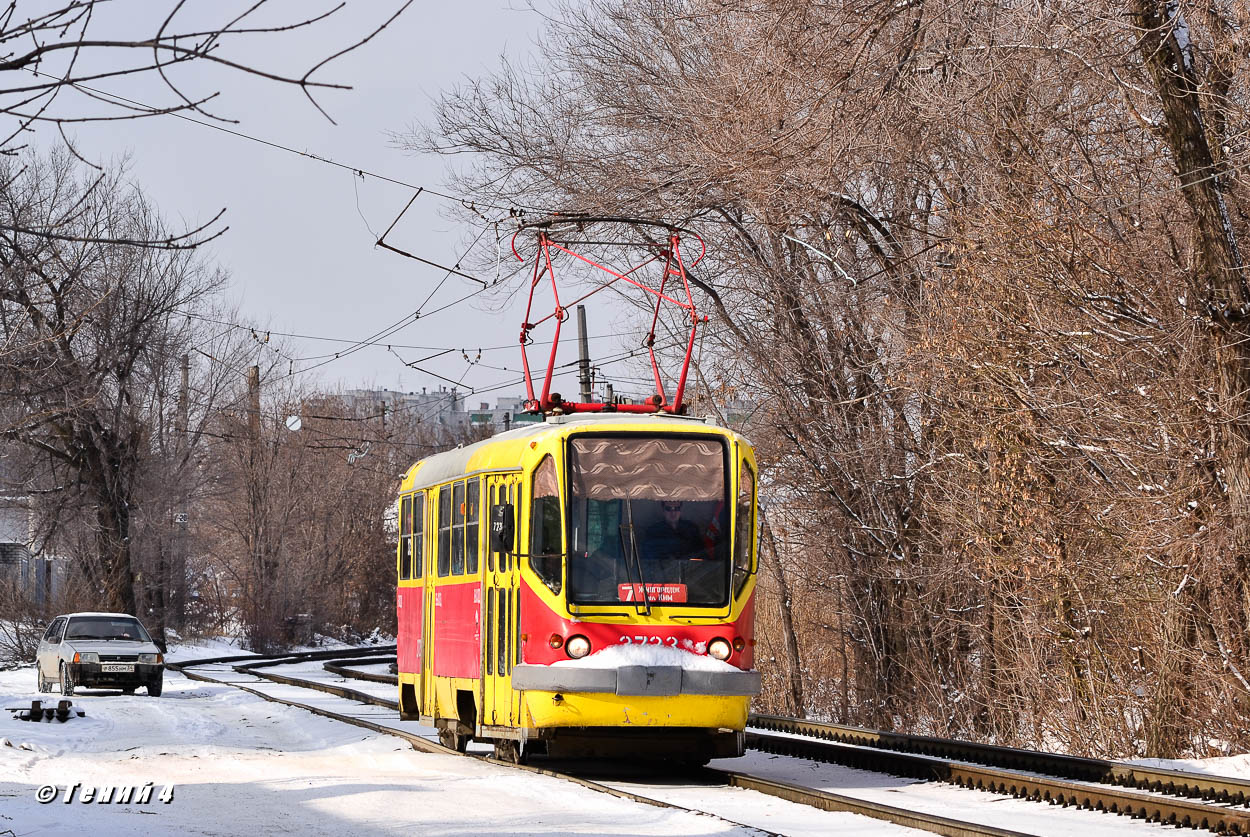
{"x":649,"y":520}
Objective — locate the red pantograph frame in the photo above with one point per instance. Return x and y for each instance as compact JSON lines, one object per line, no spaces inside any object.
{"x":674,"y":266}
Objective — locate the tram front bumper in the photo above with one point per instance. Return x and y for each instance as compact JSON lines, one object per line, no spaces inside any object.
{"x":636,"y":681}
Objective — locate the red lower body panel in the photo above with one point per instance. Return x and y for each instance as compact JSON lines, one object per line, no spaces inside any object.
{"x":457,"y":630}
{"x":409,"y":604}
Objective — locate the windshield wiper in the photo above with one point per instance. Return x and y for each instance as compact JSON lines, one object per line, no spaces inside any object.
{"x":631,"y":551}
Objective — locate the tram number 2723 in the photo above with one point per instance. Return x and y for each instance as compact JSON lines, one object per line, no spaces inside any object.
{"x":649,"y":640}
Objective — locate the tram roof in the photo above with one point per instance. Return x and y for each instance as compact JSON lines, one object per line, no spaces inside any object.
{"x":454,"y":463}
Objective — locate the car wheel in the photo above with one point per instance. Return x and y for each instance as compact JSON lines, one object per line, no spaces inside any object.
{"x":154,"y":688}
{"x":67,"y":681}
{"x":43,"y":684}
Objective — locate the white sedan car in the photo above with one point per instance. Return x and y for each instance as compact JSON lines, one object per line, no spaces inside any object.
{"x":108,"y":650}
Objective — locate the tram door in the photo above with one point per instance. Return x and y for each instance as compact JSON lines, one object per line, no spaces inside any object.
{"x":430,"y":566}
{"x":500,"y":615}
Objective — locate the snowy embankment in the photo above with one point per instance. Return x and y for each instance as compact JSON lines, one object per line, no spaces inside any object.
{"x":239,"y":765}
{"x":1234,"y":767}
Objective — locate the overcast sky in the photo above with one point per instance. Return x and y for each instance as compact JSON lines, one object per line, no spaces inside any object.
{"x":300,"y":248}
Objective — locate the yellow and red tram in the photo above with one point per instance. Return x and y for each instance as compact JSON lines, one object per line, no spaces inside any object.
{"x":582,"y":586}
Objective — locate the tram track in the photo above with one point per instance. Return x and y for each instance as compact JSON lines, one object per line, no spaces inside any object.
{"x":417,"y":741}
{"x":1222,"y":789}
{"x":1222,"y":806}
{"x":1193,"y":800}
{"x":343,"y":663}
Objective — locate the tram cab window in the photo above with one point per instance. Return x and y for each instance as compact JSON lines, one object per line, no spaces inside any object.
{"x":418,"y":534}
{"x":546,"y":546}
{"x":649,"y":517}
{"x":444,"y":531}
{"x":405,"y":538}
{"x":744,"y":527}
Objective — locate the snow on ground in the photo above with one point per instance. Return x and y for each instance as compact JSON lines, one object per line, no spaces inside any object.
{"x":239,"y":765}
{"x":937,"y":798}
{"x":201,"y":648}
{"x":315,"y":670}
{"x":1233,"y":767}
{"x":243,"y":766}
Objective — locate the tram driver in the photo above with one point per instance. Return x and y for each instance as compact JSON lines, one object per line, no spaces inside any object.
{"x":672,"y":537}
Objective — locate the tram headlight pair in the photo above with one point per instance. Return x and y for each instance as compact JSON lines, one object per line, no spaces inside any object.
{"x":719,"y":649}
{"x":577,"y":647}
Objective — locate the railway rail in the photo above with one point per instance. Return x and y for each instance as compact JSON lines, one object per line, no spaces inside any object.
{"x":1213,"y":803}
{"x":1222,"y":789}
{"x":344,"y":663}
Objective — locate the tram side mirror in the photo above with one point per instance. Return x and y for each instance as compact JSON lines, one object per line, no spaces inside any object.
{"x":502,"y":528}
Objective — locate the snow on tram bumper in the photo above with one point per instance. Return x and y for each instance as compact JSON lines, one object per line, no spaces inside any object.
{"x":636,"y":680}
{"x":640,"y":671}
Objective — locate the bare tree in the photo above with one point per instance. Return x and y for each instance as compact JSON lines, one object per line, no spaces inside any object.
{"x":299,"y":517}
{"x":978,"y":266}
{"x":61,"y":63}
{"x":89,"y":329}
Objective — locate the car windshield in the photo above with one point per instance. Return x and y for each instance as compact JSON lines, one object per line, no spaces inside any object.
{"x":106,"y":627}
{"x":649,"y":520}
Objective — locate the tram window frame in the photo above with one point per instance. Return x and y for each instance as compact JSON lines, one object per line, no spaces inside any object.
{"x":501,"y":629}
{"x":492,"y":492}
{"x":505,"y":496}
{"x":444,"y":531}
{"x":547,"y":518}
{"x":490,"y":632}
{"x":727,"y":459}
{"x":472,"y":526}
{"x":418,"y":534}
{"x":744,"y":539}
{"x":457,"y":528}
{"x":516,"y":618}
{"x":405,"y":537}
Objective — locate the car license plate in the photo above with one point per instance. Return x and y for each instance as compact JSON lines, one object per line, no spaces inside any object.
{"x":117,"y":667}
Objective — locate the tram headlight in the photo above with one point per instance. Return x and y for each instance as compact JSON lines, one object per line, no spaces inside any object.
{"x":577,"y":647}
{"x":555,"y":641}
{"x":719,"y":648}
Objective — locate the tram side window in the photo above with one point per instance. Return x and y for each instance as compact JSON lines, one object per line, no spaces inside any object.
{"x":444,"y":531}
{"x":405,"y":538}
{"x":490,"y":632}
{"x":505,"y":496}
{"x":546,"y":546}
{"x":501,"y":630}
{"x":457,"y":530}
{"x":744,"y":527}
{"x":490,"y":503}
{"x":471,"y":505}
{"x":418,"y":534}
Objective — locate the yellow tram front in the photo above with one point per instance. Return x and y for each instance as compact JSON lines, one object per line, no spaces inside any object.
{"x":583,"y":586}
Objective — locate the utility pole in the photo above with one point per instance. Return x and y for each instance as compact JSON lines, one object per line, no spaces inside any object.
{"x":178,"y":614}
{"x":583,"y":352}
{"x":264,"y":614}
